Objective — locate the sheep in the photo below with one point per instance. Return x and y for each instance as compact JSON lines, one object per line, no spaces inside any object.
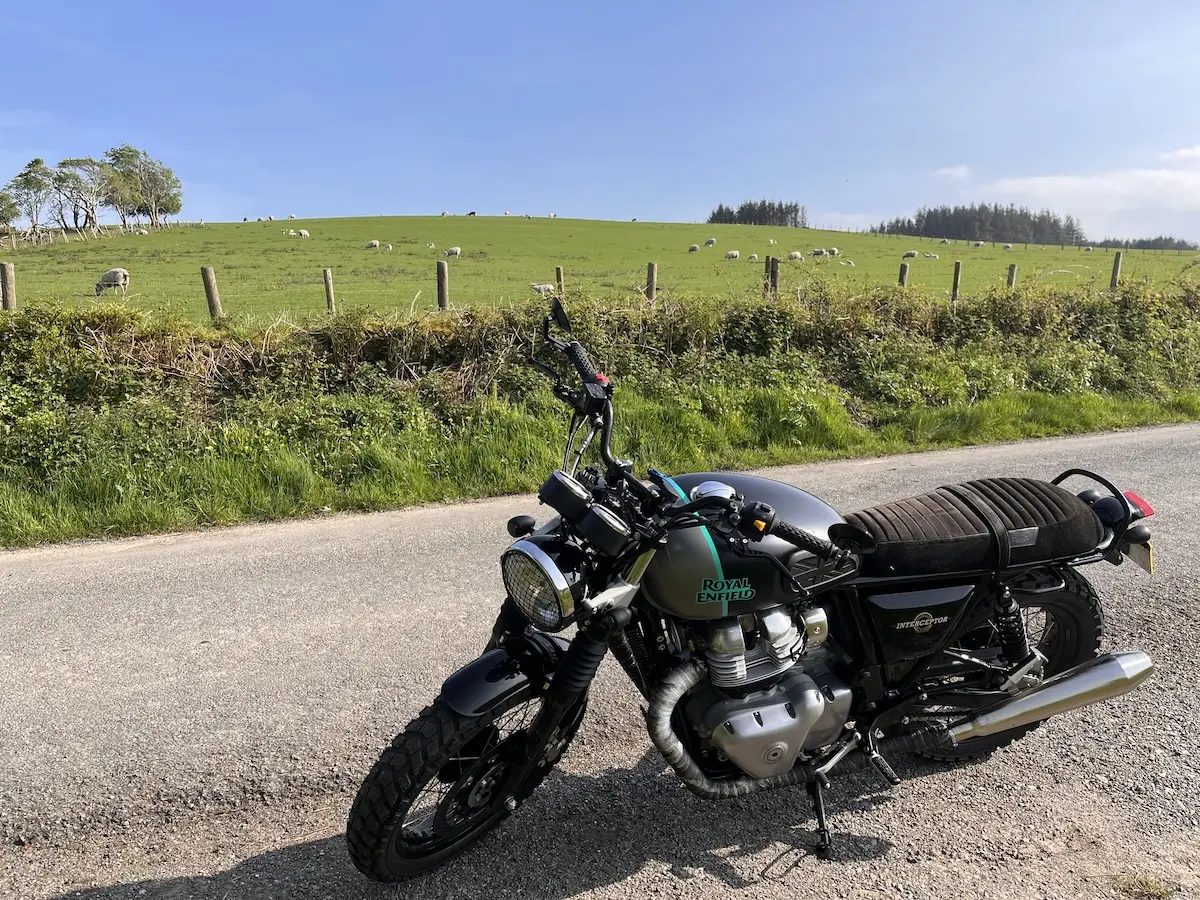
{"x":113,"y":278}
{"x":945,"y":240}
{"x":245,"y":218}
{"x":507,"y":213}
{"x":444,"y":213}
{"x":753,"y":257}
{"x":303,"y":232}
{"x":796,"y":256}
{"x":847,"y":262}
{"x":931,"y":256}
{"x":291,"y":232}
{"x":1008,"y":246}
{"x":372,"y":245}
{"x":554,"y":215}
{"x":471,"y":213}
{"x":453,"y":251}
{"x":542,"y":289}
{"x":142,"y":231}
{"x":695,"y":248}
{"x":909,"y":254}
{"x":978,"y":244}
{"x":817,"y":252}
{"x":1087,"y":249}
{"x":270,"y":218}
{"x":834,"y":251}
{"x":731,"y":254}
{"x":292,"y":216}
{"x":771,"y":242}
{"x":711,"y":242}
{"x":430,"y":246}
{"x":387,"y":247}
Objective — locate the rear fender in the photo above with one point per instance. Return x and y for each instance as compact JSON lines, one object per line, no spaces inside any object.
{"x":482,"y":684}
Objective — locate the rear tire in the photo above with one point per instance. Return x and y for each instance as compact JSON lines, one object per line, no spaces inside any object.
{"x":1074,"y":629}
{"x":440,"y":747}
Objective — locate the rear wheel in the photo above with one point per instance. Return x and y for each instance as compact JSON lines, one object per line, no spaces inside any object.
{"x":432,"y":794}
{"x":1066,"y":626}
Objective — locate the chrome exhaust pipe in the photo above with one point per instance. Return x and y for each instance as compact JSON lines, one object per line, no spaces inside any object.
{"x":1097,"y":679}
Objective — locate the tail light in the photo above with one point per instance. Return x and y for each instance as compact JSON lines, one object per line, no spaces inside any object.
{"x":1141,"y":505}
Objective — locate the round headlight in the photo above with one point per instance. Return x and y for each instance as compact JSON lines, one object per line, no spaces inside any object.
{"x":537,"y":586}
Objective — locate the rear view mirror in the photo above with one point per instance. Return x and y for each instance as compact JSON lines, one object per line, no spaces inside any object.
{"x":559,"y":314}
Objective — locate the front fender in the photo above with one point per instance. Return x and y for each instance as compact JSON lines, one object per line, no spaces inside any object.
{"x":485,"y":682}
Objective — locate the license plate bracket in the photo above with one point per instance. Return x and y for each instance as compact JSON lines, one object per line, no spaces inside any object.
{"x":1142,"y":556}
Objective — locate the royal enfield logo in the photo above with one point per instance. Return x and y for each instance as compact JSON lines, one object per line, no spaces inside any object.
{"x":923,"y":622}
{"x":731,"y":590}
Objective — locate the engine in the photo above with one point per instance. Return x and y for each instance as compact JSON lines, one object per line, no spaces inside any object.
{"x":770,"y":695}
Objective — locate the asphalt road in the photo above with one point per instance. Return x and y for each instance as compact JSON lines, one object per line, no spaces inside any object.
{"x":189,"y":716}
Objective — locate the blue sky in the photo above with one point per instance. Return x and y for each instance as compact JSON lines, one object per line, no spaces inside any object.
{"x":653,"y":110}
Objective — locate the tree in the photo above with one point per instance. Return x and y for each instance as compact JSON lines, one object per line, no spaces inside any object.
{"x":32,"y":189}
{"x":141,"y":185}
{"x":758,"y":212}
{"x":86,"y":181}
{"x":9,"y":213}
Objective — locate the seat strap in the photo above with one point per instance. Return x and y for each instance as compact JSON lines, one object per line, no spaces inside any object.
{"x":984,"y":509}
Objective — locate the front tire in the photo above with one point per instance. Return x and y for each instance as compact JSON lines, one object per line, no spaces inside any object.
{"x":394,"y":832}
{"x":1072,"y":621}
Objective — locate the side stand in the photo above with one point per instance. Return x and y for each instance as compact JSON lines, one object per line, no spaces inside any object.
{"x":816,"y":791}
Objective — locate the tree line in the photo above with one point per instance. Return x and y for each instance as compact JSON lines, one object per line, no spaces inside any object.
{"x":1162,"y":242}
{"x":761,"y":212}
{"x":126,"y":180}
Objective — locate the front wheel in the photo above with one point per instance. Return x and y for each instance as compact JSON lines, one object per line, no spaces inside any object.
{"x":431,"y":795}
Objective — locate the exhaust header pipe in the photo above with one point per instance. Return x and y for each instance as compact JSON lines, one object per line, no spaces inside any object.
{"x":1097,"y":679}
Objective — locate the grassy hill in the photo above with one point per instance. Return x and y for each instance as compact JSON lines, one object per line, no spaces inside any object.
{"x":262,"y":272}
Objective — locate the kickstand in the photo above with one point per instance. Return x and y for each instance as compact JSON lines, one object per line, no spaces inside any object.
{"x":816,"y":790}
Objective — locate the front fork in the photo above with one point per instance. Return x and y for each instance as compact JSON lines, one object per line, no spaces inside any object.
{"x":570,"y":683}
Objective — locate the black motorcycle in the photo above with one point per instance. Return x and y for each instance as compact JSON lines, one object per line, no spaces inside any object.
{"x":775,"y":641}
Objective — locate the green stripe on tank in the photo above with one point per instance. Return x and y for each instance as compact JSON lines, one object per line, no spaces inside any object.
{"x":712,"y":547}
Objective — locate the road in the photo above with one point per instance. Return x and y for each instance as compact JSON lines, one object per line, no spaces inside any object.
{"x":189,"y":716}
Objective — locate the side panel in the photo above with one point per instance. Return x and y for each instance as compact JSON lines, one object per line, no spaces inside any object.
{"x":695,"y":576}
{"x":912,"y":624}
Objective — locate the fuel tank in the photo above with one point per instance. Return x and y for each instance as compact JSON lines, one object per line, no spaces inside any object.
{"x":696,"y":576}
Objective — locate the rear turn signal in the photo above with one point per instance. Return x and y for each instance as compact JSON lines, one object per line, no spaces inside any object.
{"x":1146,"y":509}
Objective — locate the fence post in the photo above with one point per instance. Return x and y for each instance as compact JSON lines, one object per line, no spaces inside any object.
{"x":775,"y":275}
{"x":330,"y":305}
{"x":957,"y":281}
{"x":210,"y":291}
{"x":1012,"y":275}
{"x":651,"y":281}
{"x":8,"y":286}
{"x":558,"y":278}
{"x":443,"y":278}
{"x":767,"y":278}
{"x":1116,"y":273}
{"x":903,"y":274}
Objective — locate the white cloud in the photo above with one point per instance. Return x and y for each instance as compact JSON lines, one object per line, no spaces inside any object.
{"x":954,"y":173}
{"x":1185,"y":155}
{"x":1119,"y":202}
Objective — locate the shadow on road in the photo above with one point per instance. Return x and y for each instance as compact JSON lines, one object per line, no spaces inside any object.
{"x":576,"y":834}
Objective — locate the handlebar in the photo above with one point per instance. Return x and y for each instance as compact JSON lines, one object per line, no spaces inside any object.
{"x":805,"y":541}
{"x":579,"y":358}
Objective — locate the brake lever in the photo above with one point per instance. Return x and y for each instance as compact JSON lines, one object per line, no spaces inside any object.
{"x":546,"y":370}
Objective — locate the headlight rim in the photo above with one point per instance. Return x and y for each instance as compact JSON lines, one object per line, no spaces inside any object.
{"x":553,"y":574}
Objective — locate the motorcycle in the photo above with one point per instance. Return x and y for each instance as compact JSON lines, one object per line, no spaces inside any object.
{"x":775,"y":641}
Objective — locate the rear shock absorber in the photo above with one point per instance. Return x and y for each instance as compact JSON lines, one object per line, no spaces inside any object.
{"x":1014,"y":642}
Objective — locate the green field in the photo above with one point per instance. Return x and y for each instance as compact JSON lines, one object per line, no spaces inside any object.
{"x":262,"y":272}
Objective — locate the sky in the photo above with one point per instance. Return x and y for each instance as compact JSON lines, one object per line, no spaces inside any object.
{"x":651,"y":110}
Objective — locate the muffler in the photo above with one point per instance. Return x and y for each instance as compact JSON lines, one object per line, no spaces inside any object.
{"x":1097,"y":679}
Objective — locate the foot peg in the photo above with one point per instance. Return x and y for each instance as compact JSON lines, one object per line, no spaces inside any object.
{"x":884,"y":768}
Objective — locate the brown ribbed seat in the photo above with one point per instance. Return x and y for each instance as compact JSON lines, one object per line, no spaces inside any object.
{"x":940,"y":533}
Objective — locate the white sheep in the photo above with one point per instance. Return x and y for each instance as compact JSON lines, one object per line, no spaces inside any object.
{"x":270,"y":218}
{"x":834,"y":251}
{"x":453,"y":251}
{"x":978,"y":244}
{"x":771,"y":241}
{"x":292,"y":216}
{"x":430,"y":246}
{"x":847,"y":262}
{"x":291,"y":232}
{"x":695,"y":248}
{"x":931,"y":256}
{"x":507,"y":213}
{"x":303,"y":232}
{"x":909,"y":254}
{"x":711,"y":242}
{"x":731,"y":254}
{"x":1087,"y":249}
{"x":387,"y":247}
{"x":144,"y":231}
{"x":113,"y":278}
{"x":945,"y":240}
{"x":1008,"y":246}
{"x":372,"y":245}
{"x":796,"y":256}
{"x":542,"y":289}
{"x":818,"y":252}
{"x":753,"y":257}
{"x":444,"y":213}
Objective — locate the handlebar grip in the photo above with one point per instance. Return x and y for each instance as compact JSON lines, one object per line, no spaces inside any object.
{"x":582,"y":362}
{"x":804,"y":541}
